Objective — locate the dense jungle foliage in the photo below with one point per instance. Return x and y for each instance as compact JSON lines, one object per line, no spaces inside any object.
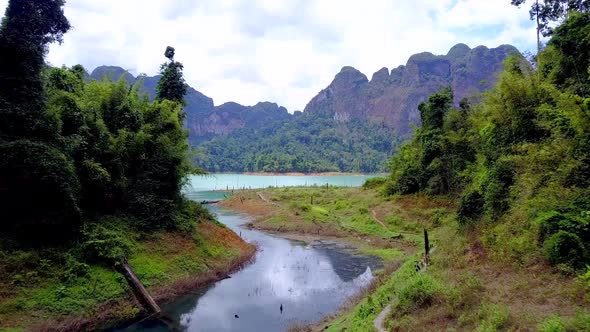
{"x":75,"y":153}
{"x":518,"y":160}
{"x":311,"y":142}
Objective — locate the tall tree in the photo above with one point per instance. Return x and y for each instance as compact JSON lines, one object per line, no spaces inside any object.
{"x":567,"y":59}
{"x":27,"y":29}
{"x":171,"y":85}
{"x":38,"y":183}
{"x":546,"y":11}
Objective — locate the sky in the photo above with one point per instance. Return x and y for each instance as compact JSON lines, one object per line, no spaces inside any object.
{"x":284,"y":51}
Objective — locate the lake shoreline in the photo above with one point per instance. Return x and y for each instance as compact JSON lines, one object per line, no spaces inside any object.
{"x":299,"y":173}
{"x":310,"y":174}
{"x":463,"y":277}
{"x":109,"y":311}
{"x":253,"y":203}
{"x":284,"y":204}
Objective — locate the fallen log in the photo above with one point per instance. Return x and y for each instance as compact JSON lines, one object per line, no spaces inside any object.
{"x":138,"y":289}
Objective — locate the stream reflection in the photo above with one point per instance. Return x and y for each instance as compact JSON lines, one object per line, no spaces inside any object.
{"x":309,"y":281}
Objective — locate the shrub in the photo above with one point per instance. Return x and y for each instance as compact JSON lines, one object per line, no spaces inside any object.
{"x":75,"y":268}
{"x":552,"y":324}
{"x":106,"y":242}
{"x":471,"y":206}
{"x":581,"y":322}
{"x":564,"y":247}
{"x":373,"y":183}
{"x":551,"y":222}
{"x":497,"y":188}
{"x":585,"y":278}
{"x":409,"y":182}
{"x":189,"y":214}
{"x":493,"y":318}
{"x":421,"y":291}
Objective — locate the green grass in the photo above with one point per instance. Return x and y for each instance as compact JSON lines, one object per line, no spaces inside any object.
{"x":493,"y":318}
{"x":333,"y":206}
{"x":457,"y":290}
{"x":61,"y":297}
{"x":387,"y":254}
{"x":361,"y":317}
{"x":39,"y":290}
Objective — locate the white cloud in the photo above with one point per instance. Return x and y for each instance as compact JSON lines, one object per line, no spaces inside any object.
{"x":279,"y":50}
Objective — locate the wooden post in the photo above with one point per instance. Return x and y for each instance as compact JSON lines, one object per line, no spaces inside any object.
{"x":426,"y":246}
{"x":311,"y":199}
{"x":140,"y":292}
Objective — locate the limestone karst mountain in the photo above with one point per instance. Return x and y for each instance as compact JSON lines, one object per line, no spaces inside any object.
{"x":353,"y":124}
{"x":392,"y":97}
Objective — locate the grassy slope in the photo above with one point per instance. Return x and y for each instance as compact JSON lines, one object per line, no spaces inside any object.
{"x":465,"y":287}
{"x":354,"y":214}
{"x":39,"y":297}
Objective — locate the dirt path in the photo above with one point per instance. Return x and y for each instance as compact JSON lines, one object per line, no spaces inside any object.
{"x":378,"y":322}
{"x":377,"y":219}
{"x":266,"y":200}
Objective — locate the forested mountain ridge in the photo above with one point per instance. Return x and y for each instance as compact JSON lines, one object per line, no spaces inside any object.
{"x":389,"y":99}
{"x":354,"y":124}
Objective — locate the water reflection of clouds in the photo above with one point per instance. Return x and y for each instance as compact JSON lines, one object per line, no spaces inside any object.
{"x":299,"y":272}
{"x":302,"y":279}
{"x":309,"y":281}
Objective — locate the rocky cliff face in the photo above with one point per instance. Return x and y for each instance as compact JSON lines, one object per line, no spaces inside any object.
{"x":392,"y":97}
{"x":203,"y":119}
{"x":226,"y":118}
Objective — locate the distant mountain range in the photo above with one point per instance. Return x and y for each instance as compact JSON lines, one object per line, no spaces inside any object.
{"x":205,"y":121}
{"x":353,"y":124}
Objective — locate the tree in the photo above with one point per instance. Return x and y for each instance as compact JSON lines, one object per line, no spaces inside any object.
{"x":171,"y":85}
{"x":28,"y":27}
{"x":433,"y":160}
{"x":568,"y":55}
{"x":549,"y":11}
{"x":433,"y":111}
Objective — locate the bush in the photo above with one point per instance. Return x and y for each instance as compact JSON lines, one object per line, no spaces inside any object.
{"x":106,"y":242}
{"x":552,"y":324}
{"x":471,"y":206}
{"x":497,"y":188}
{"x":564,"y":248}
{"x":374,"y":183}
{"x":585,"y":278}
{"x":420,"y":292}
{"x":581,"y":322}
{"x":551,"y":222}
{"x":189,"y":214}
{"x":409,"y":182}
{"x":493,"y":318}
{"x":75,"y":268}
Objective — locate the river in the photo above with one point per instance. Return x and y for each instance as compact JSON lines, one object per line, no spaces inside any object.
{"x":308,"y":281}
